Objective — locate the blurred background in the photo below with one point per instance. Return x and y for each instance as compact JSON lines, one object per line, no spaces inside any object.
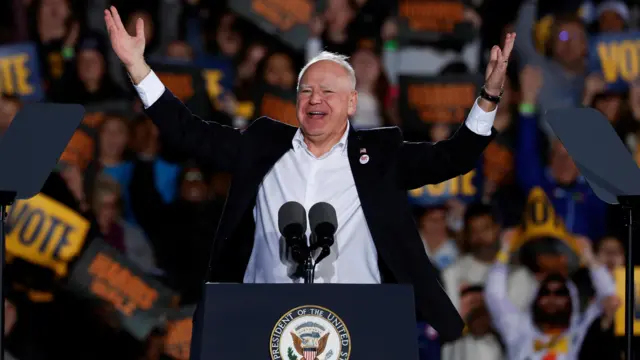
{"x":107,"y":261}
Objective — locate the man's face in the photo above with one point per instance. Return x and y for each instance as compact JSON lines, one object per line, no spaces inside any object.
{"x":611,"y":253}
{"x":279,"y":72}
{"x":326,"y":99}
{"x":483,"y":237}
{"x":554,"y":299}
{"x":571,"y":45}
{"x":90,"y":65}
{"x":434,"y":223}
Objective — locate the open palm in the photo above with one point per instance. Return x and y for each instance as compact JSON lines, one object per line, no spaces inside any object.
{"x":497,"y":68}
{"x":130,"y":49}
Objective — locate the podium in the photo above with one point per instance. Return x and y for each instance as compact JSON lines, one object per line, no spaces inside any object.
{"x":305,"y":322}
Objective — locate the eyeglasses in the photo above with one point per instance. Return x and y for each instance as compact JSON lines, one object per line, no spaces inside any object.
{"x":558,"y":292}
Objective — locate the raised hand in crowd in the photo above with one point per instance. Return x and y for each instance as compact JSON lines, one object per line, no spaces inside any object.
{"x":129,"y":49}
{"x":72,"y":36}
{"x":10,"y":316}
{"x":593,"y":85}
{"x":389,"y":29}
{"x":496,"y":72}
{"x":587,"y":255}
{"x":530,"y":84}
{"x":317,"y":26}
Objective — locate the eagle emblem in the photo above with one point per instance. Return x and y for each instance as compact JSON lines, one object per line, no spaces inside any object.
{"x":308,"y":341}
{"x":310,"y":332}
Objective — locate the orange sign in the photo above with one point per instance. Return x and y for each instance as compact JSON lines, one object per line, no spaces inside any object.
{"x":117,"y":285}
{"x":279,"y":109}
{"x":181,"y":85}
{"x":178,"y":339}
{"x":434,"y":16}
{"x":284,"y":14}
{"x":80,"y":150}
{"x":441,"y":103}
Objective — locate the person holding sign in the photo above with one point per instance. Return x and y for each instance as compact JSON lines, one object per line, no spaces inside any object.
{"x":554,"y":328}
{"x":364,"y":175}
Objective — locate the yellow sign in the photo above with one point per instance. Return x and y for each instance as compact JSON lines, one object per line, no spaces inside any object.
{"x":620,"y":60}
{"x":45,"y":232}
{"x":619,"y":323}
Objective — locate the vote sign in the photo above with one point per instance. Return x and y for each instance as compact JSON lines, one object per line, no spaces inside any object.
{"x":617,"y":57}
{"x":20,"y":72}
{"x":44,"y":232}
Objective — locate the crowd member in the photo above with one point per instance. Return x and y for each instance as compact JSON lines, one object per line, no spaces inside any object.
{"x":159,"y":210}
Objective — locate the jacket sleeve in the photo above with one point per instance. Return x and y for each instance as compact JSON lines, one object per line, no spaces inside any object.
{"x":423,"y":163}
{"x":529,"y":167}
{"x":208,"y":142}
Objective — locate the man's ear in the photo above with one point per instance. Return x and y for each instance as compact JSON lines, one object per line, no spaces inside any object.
{"x":353,"y":103}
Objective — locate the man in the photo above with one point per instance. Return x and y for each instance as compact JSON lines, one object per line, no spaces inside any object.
{"x":554,"y":327}
{"x":365,"y":175}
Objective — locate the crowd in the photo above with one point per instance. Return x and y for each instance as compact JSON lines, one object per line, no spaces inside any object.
{"x":526,"y":251}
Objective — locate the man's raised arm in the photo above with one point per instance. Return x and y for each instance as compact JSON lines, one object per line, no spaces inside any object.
{"x":422,"y":163}
{"x":209,"y":142}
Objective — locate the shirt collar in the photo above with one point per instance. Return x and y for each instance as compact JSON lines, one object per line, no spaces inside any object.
{"x":298,"y":142}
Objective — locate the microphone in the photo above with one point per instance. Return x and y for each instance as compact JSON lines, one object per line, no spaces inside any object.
{"x":324,"y":223}
{"x":292,"y":222}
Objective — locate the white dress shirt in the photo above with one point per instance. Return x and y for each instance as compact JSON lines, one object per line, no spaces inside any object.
{"x":300,"y":176}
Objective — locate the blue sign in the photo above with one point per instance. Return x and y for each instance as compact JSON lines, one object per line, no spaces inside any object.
{"x":20,"y":72}
{"x":218,"y":76}
{"x":617,"y":58}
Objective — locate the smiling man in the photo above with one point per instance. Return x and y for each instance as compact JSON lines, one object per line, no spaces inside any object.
{"x":365,"y":175}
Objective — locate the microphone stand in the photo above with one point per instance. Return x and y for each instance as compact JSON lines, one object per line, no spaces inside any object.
{"x":309,"y":269}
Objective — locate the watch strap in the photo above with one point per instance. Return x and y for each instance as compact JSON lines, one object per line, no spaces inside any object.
{"x":489,"y":97}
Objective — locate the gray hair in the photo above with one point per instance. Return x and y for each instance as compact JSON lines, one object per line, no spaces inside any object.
{"x":339,"y":59}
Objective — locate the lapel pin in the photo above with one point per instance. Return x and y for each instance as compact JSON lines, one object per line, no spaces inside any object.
{"x":364,"y":159}
{"x":363,"y":151}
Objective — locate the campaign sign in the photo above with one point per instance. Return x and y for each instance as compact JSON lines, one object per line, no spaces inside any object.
{"x":465,"y":187}
{"x":444,"y":99}
{"x":617,"y":57}
{"x":433,"y":20}
{"x":187,"y":84}
{"x":286,"y":19}
{"x":20,"y":72}
{"x":140,"y":301}
{"x":44,"y":232}
{"x":277,"y":104}
{"x":218,"y":76}
{"x":178,"y":340}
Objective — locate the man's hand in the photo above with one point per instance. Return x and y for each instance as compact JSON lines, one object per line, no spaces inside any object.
{"x":586,"y":250}
{"x":130,"y":49}
{"x":497,"y":71}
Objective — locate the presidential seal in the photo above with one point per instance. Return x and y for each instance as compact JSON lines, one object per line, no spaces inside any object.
{"x":310,"y":333}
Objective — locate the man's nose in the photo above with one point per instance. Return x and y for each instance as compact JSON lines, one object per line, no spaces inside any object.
{"x":316,"y":98}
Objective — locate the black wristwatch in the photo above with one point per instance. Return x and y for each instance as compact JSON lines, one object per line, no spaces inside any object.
{"x":491,"y":98}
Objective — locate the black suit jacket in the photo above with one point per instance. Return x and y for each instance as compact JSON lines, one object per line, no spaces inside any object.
{"x":395,"y":166}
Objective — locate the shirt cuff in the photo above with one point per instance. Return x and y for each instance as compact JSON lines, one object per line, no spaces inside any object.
{"x":480,"y":121}
{"x":150,"y":89}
